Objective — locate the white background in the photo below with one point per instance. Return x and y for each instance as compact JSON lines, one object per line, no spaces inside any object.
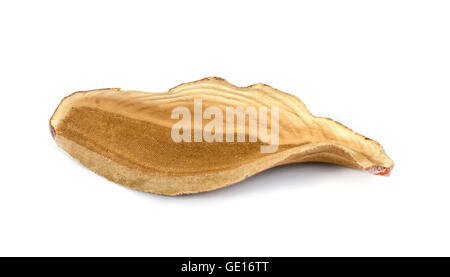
{"x":380,"y":67}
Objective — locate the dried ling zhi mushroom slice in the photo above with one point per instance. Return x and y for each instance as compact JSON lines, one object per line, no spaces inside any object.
{"x":202,"y":136}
